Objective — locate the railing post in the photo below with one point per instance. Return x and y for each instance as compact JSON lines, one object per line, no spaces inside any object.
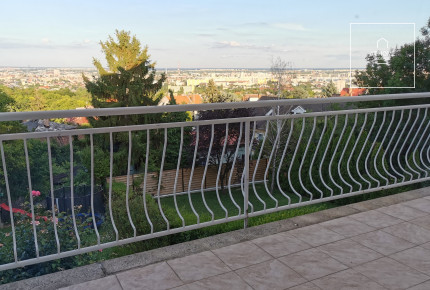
{"x":246,"y":173}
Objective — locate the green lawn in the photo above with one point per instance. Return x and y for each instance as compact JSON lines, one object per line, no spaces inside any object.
{"x":214,"y":205}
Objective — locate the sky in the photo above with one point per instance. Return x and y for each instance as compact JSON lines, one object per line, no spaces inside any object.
{"x":206,"y":34}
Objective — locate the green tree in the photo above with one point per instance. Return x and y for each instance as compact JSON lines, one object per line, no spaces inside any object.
{"x":398,"y":70}
{"x":213,"y":95}
{"x":7,"y":127}
{"x":329,"y":90}
{"x":130,"y":80}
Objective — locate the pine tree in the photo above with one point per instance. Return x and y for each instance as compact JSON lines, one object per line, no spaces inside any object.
{"x":129,"y":80}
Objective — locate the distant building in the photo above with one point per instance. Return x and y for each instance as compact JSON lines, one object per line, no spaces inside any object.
{"x":354,"y":92}
{"x":182,"y":100}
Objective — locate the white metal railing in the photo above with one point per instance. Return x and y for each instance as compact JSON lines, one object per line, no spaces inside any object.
{"x":311,"y":158}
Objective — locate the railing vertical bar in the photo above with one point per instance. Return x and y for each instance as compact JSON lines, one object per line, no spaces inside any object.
{"x":92,"y":189}
{"x":110,"y":185}
{"x":220,"y":165}
{"x":251,"y":142}
{"x":304,"y":157}
{"x":416,"y":148}
{"x":397,"y":143}
{"x":386,"y":150}
{"x":292,"y":160}
{"x":358,"y":158}
{"x":205,"y":171}
{"x":234,"y":161}
{"x":334,"y":155}
{"x":196,"y":146}
{"x":30,"y":189}
{"x":243,"y":173}
{"x":323,"y":158}
{"x":9,"y":201}
{"x":219,"y":172}
{"x":160,"y":178}
{"x":257,"y":163}
{"x":72,"y":191}
{"x":246,"y":170}
{"x":366,"y":160}
{"x":148,"y":140}
{"x":343,"y":154}
{"x":270,"y":160}
{"x":51,"y":181}
{"x":412,"y":142}
{"x":282,"y":161}
{"x":362,"y":150}
{"x":314,"y":156}
{"x":127,"y":191}
{"x":178,"y":166}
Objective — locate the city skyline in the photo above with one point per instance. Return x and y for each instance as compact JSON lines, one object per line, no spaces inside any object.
{"x":216,"y":34}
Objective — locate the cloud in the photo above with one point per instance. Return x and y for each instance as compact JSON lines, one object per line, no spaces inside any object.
{"x":289,"y":26}
{"x":280,"y":25}
{"x":44,"y":43}
{"x":247,"y":46}
{"x":205,"y":34}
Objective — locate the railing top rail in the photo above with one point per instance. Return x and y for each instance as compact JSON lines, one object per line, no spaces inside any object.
{"x":16,"y":116}
{"x":142,"y":127}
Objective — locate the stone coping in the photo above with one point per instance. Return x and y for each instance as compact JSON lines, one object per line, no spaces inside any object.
{"x":113,"y":266}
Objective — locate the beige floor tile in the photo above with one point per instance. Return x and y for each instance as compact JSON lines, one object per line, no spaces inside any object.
{"x":426,"y":246}
{"x":347,"y":227}
{"x":316,"y":235}
{"x":306,"y":286}
{"x":312,"y":263}
{"x":225,"y":281}
{"x":153,"y":277}
{"x":420,"y":203}
{"x":281,"y":244}
{"x":242,"y":255}
{"x":391,"y":274}
{"x":270,"y":275}
{"x":376,"y":219}
{"x":198,"y":266}
{"x":417,"y":258}
{"x":348,"y":279}
{"x":410,"y":232}
{"x":422,"y":286}
{"x":402,"y":212}
{"x":349,"y":252}
{"x":106,"y":283}
{"x":422,"y":222}
{"x":383,"y":242}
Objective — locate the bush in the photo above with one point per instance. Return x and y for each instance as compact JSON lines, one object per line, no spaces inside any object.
{"x":46,"y":242}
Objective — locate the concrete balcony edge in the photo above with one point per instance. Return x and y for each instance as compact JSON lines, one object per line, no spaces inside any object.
{"x":110,"y":267}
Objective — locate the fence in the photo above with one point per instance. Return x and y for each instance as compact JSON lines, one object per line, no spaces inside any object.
{"x":311,"y":158}
{"x":184,"y":177}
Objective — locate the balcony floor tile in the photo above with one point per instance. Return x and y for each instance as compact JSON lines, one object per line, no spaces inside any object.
{"x":153,"y":277}
{"x":410,"y":232}
{"x":198,"y":266}
{"x":392,"y":274}
{"x":281,"y":244}
{"x":349,"y":252}
{"x":312,"y":264}
{"x":348,"y":279}
{"x":270,"y":275}
{"x":242,"y":255}
{"x":376,"y":219}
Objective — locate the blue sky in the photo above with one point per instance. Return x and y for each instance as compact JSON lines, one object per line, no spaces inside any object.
{"x":190,"y":34}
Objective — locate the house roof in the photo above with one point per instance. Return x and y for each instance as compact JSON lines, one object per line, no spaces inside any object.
{"x":355,"y":92}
